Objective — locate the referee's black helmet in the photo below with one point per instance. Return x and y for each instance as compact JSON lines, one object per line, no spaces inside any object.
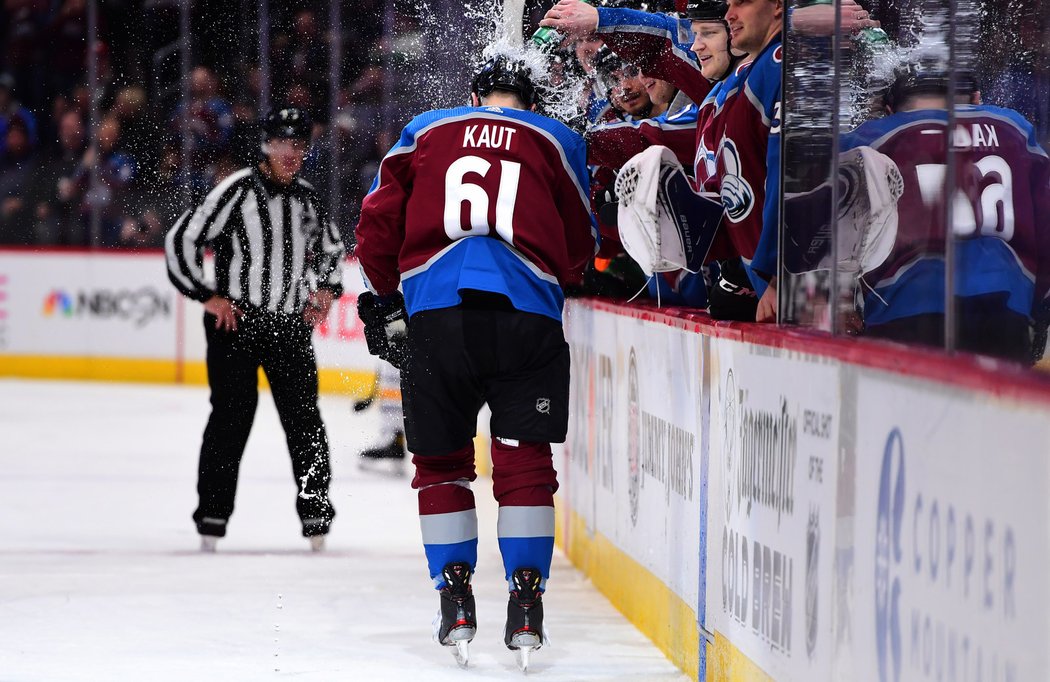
{"x":287,"y":123}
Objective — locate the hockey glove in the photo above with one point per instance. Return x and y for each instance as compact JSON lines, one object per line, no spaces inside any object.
{"x":386,"y":330}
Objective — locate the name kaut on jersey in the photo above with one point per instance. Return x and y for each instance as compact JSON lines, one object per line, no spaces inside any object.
{"x":489,"y":136}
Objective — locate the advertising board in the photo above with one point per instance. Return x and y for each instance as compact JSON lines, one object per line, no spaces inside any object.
{"x":772,"y":513}
{"x":950,"y":547}
{"x":633,"y":451}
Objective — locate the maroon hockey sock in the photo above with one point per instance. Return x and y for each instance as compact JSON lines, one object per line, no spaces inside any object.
{"x":523,"y":475}
{"x":439,"y":481}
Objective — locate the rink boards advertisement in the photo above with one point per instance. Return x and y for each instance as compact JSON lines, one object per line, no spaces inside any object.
{"x":775,"y":438}
{"x":856,"y":513}
{"x":950,"y":551}
{"x":633,"y":472}
{"x":115,"y":315}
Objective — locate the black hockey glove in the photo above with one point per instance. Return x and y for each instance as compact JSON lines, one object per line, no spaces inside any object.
{"x":731,"y":296}
{"x":386,"y":330}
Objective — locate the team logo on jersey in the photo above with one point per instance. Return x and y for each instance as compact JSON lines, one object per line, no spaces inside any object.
{"x":737,"y":196}
{"x":778,"y":54}
{"x":706,"y":163}
{"x":543,"y":405}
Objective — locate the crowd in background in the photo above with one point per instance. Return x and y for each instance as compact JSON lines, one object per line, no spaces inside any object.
{"x":143,"y":181}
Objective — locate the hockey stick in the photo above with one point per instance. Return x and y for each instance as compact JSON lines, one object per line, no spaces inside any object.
{"x":366,"y":402}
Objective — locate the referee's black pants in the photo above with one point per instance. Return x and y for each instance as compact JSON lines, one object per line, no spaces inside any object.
{"x":282,"y":345}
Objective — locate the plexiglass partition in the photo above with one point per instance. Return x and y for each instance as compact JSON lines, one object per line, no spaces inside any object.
{"x":890,"y":136}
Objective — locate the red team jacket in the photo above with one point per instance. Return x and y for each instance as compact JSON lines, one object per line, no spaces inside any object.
{"x":487,"y":198}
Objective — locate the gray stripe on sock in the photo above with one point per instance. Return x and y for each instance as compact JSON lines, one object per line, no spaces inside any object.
{"x":525,"y":522}
{"x":450,"y":528}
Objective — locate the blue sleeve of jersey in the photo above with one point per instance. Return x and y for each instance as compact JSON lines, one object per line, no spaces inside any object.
{"x":678,"y":31}
{"x":685,"y":116}
{"x":669,"y":120}
{"x":765,"y":258}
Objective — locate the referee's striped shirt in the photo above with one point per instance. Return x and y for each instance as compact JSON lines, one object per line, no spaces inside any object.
{"x":272,"y":244}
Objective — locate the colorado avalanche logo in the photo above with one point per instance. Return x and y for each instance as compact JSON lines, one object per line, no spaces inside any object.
{"x":737,"y":196}
{"x":706,"y":163}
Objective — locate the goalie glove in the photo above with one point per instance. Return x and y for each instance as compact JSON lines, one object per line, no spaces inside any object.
{"x":870,"y":184}
{"x":386,"y":328}
{"x":664,"y":225}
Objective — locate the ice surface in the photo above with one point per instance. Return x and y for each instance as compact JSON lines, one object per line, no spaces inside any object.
{"x":100,"y":577}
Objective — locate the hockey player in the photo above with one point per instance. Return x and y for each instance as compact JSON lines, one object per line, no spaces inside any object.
{"x":746,"y":158}
{"x":480,"y":214}
{"x":1002,"y":250}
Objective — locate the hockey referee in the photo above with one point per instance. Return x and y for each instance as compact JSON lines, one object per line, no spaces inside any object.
{"x":277,"y":271}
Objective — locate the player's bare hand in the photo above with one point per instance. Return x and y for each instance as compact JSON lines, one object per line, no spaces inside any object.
{"x":572,"y":18}
{"x":318,"y":306}
{"x":819,"y":20}
{"x":767,"y":305}
{"x":225,"y":311}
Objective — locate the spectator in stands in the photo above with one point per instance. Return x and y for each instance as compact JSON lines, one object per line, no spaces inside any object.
{"x":16,"y":172}
{"x":20,"y":37}
{"x":115,"y":171}
{"x":58,"y":186}
{"x":211,"y":115}
{"x":11,"y":109}
{"x":308,"y":56}
{"x":67,"y":46}
{"x":137,"y":130}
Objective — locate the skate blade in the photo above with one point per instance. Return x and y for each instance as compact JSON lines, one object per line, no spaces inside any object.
{"x":524,"y":653}
{"x":461,"y":652}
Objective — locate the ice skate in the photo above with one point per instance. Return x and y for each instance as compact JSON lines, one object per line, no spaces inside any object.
{"x":388,"y":459}
{"x":317,"y":543}
{"x":525,"y":633}
{"x":208,"y":543}
{"x":456,"y":623}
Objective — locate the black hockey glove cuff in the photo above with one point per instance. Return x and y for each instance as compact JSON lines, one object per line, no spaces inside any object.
{"x":386,"y":329}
